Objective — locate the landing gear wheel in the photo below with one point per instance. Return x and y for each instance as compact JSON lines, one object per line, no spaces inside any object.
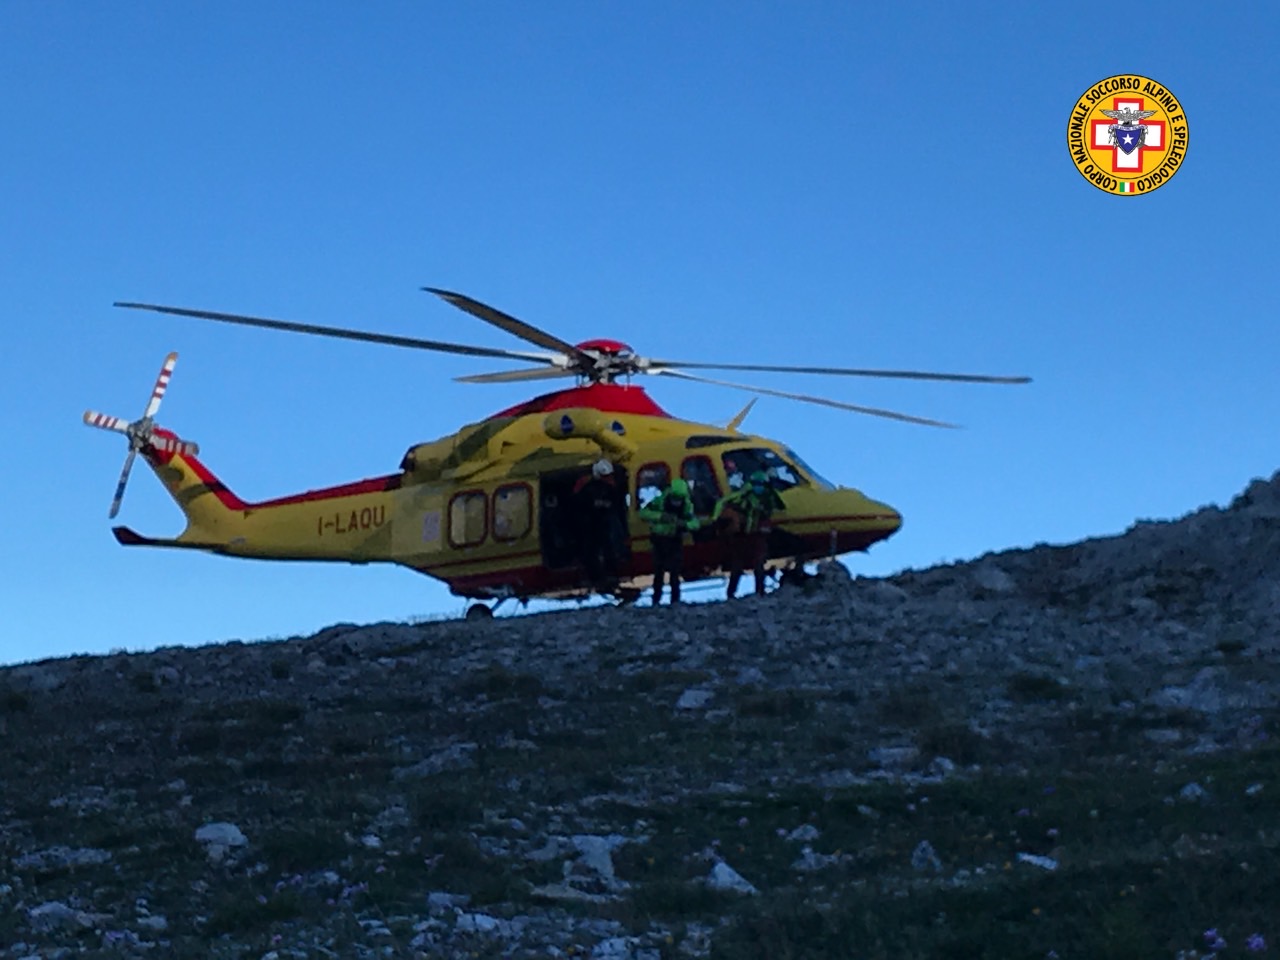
{"x":478,"y":611}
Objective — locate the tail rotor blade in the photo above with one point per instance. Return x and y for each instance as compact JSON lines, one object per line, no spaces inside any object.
{"x":104,"y":422}
{"x":162,"y":384}
{"x":175,"y":445}
{"x":124,"y":478}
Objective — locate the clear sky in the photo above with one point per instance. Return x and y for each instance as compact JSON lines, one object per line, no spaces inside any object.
{"x":855,"y":184}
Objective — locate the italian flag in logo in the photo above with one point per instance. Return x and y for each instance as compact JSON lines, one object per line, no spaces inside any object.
{"x":1126,"y":187}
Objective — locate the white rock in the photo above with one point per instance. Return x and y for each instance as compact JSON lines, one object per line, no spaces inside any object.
{"x":942,"y":767}
{"x":456,"y":756}
{"x":615,"y":948}
{"x":991,"y":576}
{"x":56,"y":915}
{"x":553,"y":848}
{"x":1193,"y":793}
{"x":59,"y":857}
{"x":808,"y":861}
{"x":596,"y":853}
{"x":806,"y":833}
{"x":923,"y":857}
{"x":222,"y":834}
{"x":894,"y":757}
{"x":219,"y":839}
{"x":694,"y":699}
{"x":480,"y":923}
{"x":565,"y":893}
{"x":439,"y":900}
{"x":1045,"y":863}
{"x":724,"y":877}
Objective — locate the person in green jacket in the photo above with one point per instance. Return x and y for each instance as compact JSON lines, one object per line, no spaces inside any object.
{"x":670,"y":516}
{"x":745,"y":516}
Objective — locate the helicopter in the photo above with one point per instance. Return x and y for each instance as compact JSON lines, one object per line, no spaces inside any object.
{"x":488,"y":509}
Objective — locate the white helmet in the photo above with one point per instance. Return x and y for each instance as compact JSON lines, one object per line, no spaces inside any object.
{"x":601,"y":468}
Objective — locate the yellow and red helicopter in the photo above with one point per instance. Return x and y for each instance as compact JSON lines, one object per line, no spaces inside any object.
{"x":488,"y":509}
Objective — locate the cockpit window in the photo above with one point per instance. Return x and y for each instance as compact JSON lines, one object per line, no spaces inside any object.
{"x":817,"y":478}
{"x":740,"y":464}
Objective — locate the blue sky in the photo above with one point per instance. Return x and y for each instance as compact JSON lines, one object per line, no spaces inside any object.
{"x":783,"y":183}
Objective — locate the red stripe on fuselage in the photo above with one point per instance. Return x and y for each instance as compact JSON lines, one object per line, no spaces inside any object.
{"x":232,"y":502}
{"x":699,"y":560}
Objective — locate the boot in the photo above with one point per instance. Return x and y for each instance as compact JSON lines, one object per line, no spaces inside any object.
{"x":734,"y":577}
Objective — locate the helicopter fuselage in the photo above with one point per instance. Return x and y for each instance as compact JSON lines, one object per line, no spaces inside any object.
{"x":488,"y":509}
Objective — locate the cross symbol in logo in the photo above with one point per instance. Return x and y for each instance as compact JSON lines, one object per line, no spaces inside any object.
{"x":1127,"y":152}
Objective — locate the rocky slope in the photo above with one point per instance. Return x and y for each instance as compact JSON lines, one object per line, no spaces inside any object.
{"x":861,"y":767}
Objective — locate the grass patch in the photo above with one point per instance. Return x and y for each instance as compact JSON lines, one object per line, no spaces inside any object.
{"x":910,"y":705}
{"x":956,"y":741}
{"x":774,"y":704}
{"x":243,"y":911}
{"x":13,"y":701}
{"x":499,"y":683}
{"x":301,"y":848}
{"x":1027,"y":687}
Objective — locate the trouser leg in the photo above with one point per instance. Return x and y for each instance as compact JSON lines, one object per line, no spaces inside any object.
{"x":591,"y":561}
{"x":734,"y":563}
{"x":661,"y":561}
{"x":667,"y":556}
{"x":676,"y":566}
{"x":735,"y":574}
{"x":759,"y":551}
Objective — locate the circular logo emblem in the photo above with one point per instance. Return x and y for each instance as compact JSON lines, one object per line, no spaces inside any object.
{"x":1127,"y":134}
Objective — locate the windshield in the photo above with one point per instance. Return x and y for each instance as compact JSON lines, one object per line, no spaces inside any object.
{"x":814,"y":475}
{"x":740,"y":464}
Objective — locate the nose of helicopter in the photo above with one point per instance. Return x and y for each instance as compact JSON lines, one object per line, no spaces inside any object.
{"x":861,"y":521}
{"x":878,"y":517}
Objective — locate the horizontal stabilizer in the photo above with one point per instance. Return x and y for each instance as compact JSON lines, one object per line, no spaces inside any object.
{"x":128,"y":537}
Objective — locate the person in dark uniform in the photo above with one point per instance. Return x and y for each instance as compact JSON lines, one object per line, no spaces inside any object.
{"x":600,"y":507}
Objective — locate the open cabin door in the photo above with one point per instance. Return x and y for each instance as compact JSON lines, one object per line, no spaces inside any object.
{"x":560,"y":521}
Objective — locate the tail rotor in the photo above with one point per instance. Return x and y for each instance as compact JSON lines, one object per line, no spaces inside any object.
{"x":142,"y":433}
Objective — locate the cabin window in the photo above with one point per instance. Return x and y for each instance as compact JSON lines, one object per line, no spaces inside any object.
{"x":704,"y":489}
{"x":740,"y":464}
{"x":468,"y":518}
{"x":512,"y":511}
{"x":651,"y":480}
{"x":694,"y":442}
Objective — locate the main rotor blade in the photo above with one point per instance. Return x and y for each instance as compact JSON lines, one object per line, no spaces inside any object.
{"x":124,"y":478}
{"x":105,"y":422}
{"x":873,"y":411}
{"x":837,"y":371}
{"x":345,"y":334}
{"x":504,"y":321}
{"x":511,"y":376}
{"x":162,"y":384}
